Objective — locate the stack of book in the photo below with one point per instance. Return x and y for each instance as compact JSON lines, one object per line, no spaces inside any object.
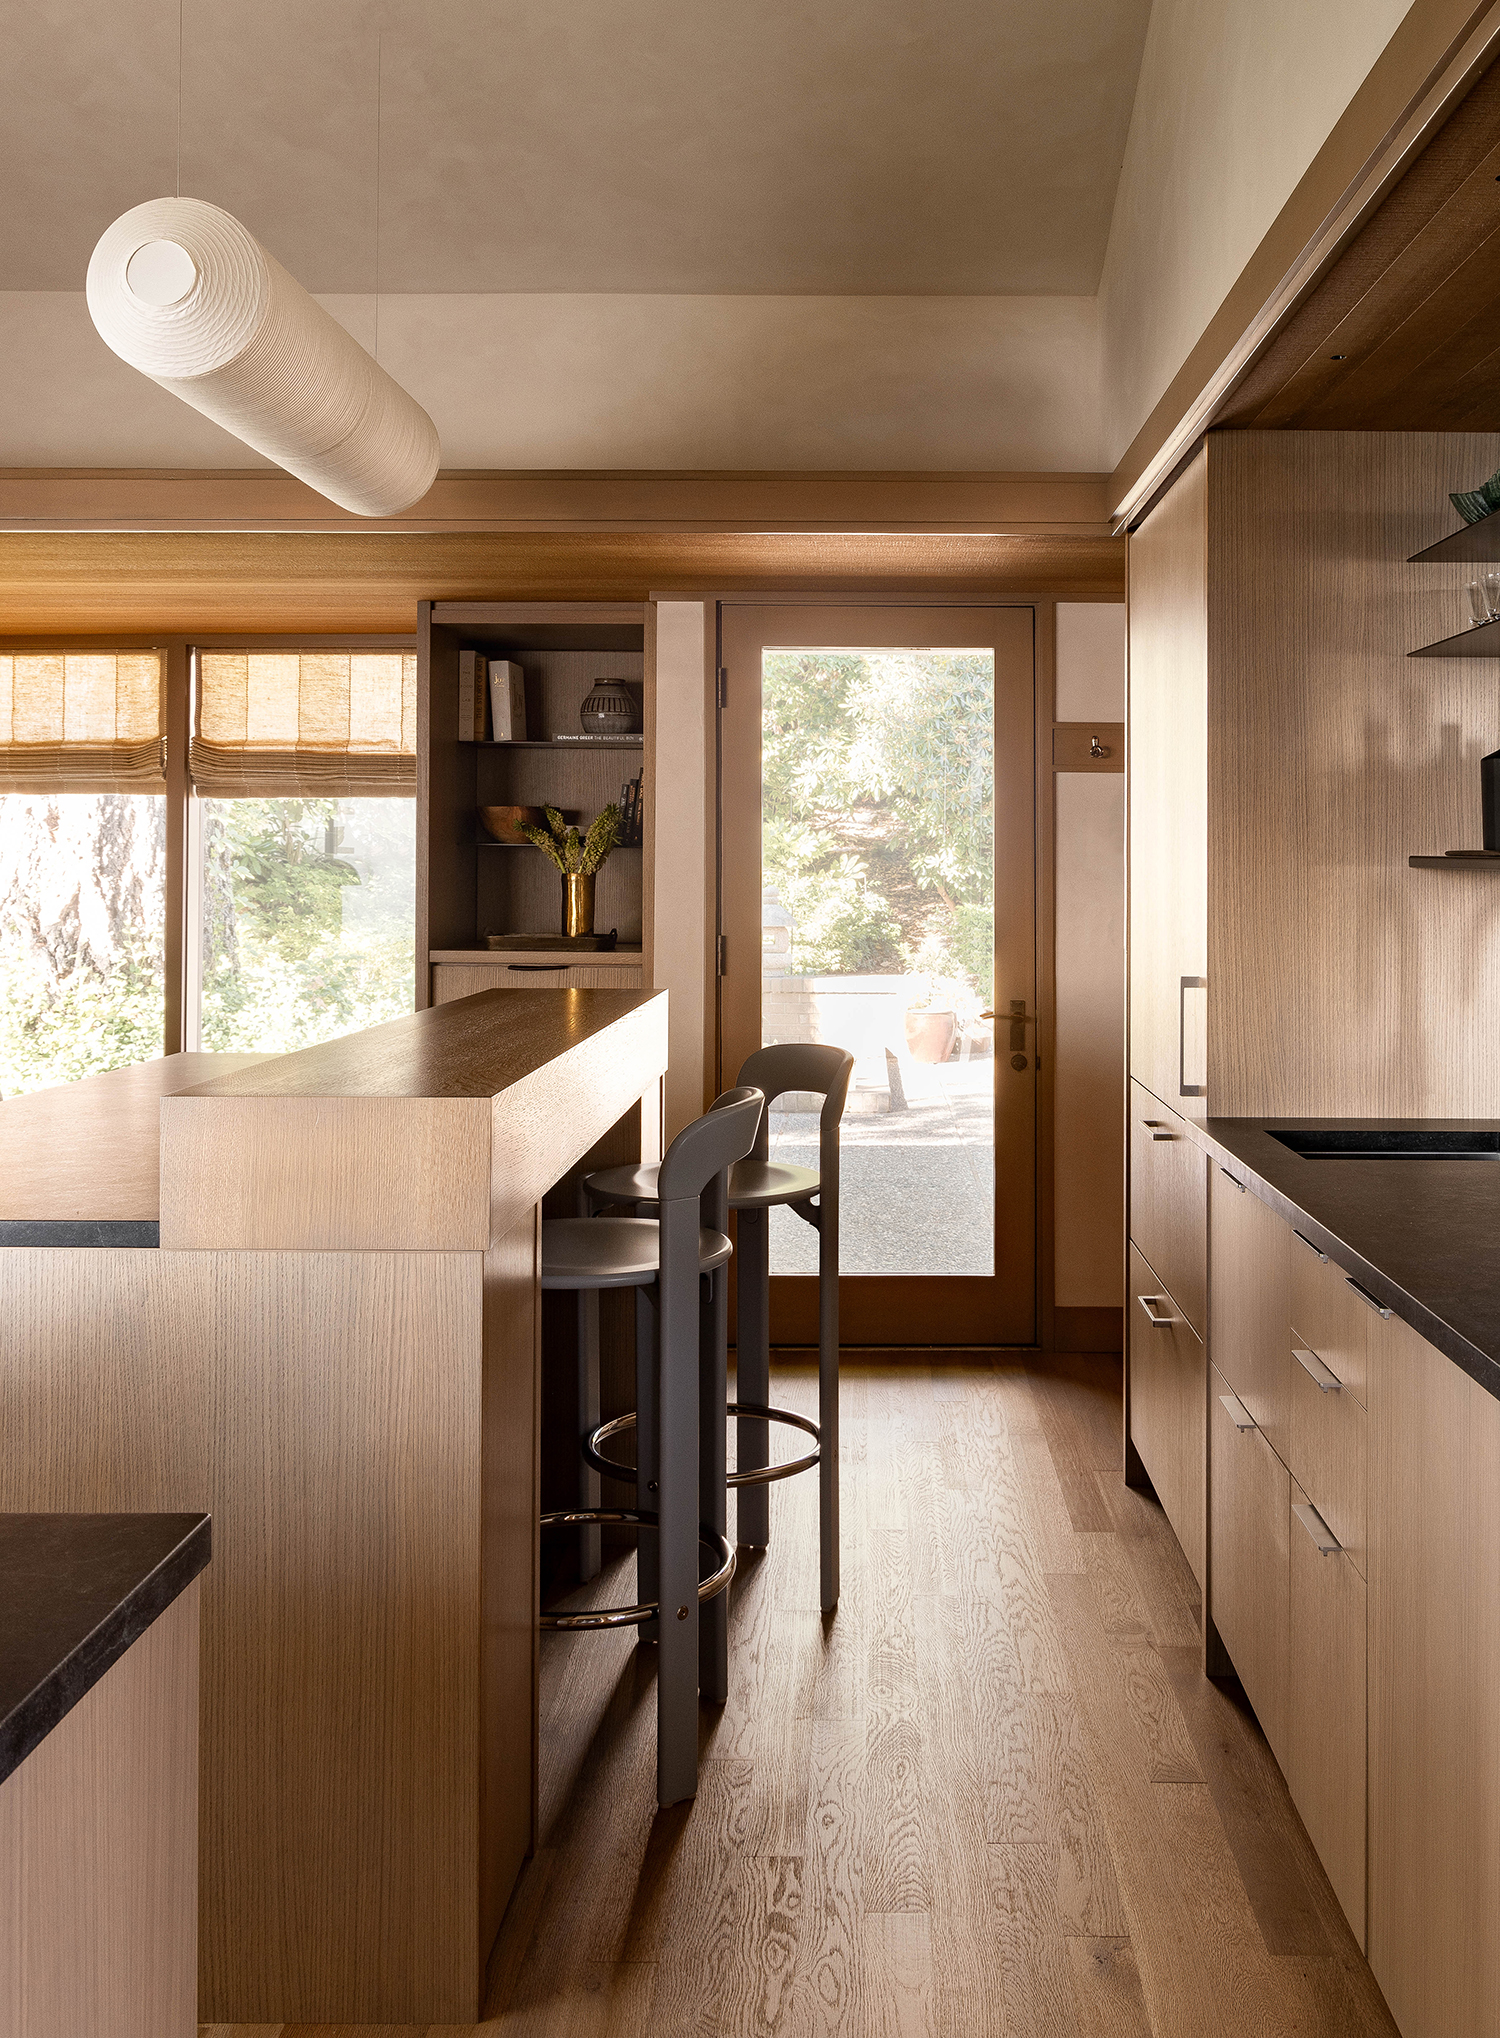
{"x":491,"y":699}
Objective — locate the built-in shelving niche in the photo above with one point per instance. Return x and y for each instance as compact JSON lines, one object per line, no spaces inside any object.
{"x":1475,"y":545}
{"x":476,"y":886}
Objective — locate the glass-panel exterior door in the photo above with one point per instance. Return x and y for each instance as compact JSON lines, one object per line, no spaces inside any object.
{"x":877,"y":863}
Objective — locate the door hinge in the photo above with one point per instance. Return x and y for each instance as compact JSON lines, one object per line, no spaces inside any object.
{"x":723,"y":956}
{"x":723,"y":686}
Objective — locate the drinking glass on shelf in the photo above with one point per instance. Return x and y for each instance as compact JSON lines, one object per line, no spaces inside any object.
{"x":1479,"y":601}
{"x":1490,"y":582}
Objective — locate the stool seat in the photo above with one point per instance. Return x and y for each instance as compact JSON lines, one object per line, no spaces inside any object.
{"x":753,"y":1184}
{"x":614,"y":1252}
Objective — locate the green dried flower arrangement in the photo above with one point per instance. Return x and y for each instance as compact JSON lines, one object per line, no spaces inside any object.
{"x":574,"y":854}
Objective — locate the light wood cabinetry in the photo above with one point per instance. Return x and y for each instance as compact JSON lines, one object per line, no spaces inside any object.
{"x":1328,"y":1317}
{"x":1249,"y":1520}
{"x":1169,"y":1204}
{"x":1167,"y":1386}
{"x":1434,"y":1668}
{"x":452,"y":980}
{"x":1326,"y":1450}
{"x":1250,"y":1261}
{"x":1325,"y":1723}
{"x":1168,"y":790}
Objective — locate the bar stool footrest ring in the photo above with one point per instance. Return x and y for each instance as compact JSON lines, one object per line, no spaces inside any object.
{"x":763,"y":1475}
{"x":633,"y":1616}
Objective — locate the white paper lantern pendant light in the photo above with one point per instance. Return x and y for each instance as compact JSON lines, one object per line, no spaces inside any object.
{"x":188,"y":296}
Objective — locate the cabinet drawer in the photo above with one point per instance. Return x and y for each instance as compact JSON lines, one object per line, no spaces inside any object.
{"x":1328,"y":1317}
{"x":1327,"y":1450}
{"x":1250,"y":1336}
{"x":1168,"y":1386}
{"x":1325,"y":1761}
{"x":1249,"y":1517}
{"x":452,"y":980}
{"x":1169,"y":1203}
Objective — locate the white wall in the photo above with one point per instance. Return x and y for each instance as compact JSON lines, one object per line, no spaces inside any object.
{"x":969,"y":384}
{"x":1235,"y":99}
{"x":1088,"y":1081}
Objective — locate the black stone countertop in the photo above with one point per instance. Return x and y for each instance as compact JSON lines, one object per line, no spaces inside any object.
{"x":1422,"y":1235}
{"x":75,"y":1591}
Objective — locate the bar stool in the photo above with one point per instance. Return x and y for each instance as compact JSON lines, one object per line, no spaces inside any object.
{"x":756,"y":1184}
{"x":665,"y":1259}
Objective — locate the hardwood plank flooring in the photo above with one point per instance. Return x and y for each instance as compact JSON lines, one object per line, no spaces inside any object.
{"x":994,"y":1794}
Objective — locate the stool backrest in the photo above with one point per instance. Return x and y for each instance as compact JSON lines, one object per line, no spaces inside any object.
{"x":724,"y":1134}
{"x":800,"y":1065}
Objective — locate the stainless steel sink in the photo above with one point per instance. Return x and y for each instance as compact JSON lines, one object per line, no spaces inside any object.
{"x":1328,"y":1143}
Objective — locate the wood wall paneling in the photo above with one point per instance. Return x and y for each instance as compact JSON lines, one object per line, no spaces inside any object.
{"x":1168,"y":779}
{"x":99,"y":1853}
{"x":1344,"y":983}
{"x":190,"y":582}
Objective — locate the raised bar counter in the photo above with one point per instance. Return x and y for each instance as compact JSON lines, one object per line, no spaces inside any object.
{"x":336,"y":1353}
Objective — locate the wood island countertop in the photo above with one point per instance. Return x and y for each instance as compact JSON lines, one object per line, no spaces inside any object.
{"x":437,"y":1131}
{"x":81,"y":1164}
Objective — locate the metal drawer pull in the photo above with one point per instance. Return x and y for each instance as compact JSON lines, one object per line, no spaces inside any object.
{"x":531,"y":968}
{"x":1365,"y":1296}
{"x":1156,"y":1322}
{"x":1310,"y":1246}
{"x":1316,"y":1371}
{"x":1184,"y":1087}
{"x":1157,"y":1130}
{"x":1327,"y":1542}
{"x":1237,"y":1412}
{"x":1233,"y":1178}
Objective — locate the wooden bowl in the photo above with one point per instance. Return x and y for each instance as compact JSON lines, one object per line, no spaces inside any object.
{"x":503,"y":824}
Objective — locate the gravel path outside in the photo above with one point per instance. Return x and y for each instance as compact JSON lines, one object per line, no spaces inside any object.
{"x":916,"y":1187}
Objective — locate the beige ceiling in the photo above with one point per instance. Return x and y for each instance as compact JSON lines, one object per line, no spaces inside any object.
{"x":693,"y":146}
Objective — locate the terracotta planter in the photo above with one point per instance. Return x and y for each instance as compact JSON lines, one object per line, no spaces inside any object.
{"x":930,"y":1035}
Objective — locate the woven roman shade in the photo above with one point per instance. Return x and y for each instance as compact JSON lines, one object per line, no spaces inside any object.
{"x":305,"y":724}
{"x":81,"y":722}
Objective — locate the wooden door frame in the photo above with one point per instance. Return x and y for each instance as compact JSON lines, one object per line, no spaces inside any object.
{"x":1044,"y":899}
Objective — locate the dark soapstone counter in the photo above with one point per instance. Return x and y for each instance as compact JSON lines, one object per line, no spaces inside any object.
{"x":75,"y":1591}
{"x":92,"y":1231}
{"x":1421,"y":1234}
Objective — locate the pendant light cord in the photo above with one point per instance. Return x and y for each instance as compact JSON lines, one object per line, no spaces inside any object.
{"x":379,"y":67}
{"x":179,"y":98}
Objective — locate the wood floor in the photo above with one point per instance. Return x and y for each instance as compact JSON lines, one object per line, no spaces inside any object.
{"x":994,"y":1794}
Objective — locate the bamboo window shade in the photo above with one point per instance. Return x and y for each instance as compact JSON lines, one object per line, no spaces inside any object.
{"x":81,"y":722}
{"x":289,"y":724}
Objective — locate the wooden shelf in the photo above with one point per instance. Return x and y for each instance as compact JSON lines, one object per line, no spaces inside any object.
{"x":1480,"y":640}
{"x":1475,"y":545}
{"x":626,"y":951}
{"x":1454,"y":862}
{"x":566,"y":743}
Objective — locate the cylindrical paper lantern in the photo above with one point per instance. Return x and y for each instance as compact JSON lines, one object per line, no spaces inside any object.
{"x":185,"y":294}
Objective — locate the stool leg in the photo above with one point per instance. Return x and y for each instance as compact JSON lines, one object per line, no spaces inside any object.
{"x":588,"y":1418}
{"x":828,"y":1404}
{"x":677,"y":1660}
{"x":713,"y":1493}
{"x":753,"y":1374}
{"x":647,"y":1486}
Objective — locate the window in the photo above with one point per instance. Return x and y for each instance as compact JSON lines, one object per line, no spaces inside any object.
{"x":303,"y":846}
{"x":82,"y":864}
{"x":243,"y":879}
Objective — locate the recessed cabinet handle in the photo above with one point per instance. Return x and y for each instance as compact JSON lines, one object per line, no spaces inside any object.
{"x":1365,"y":1296}
{"x":1237,"y":1412}
{"x":1327,"y":1542}
{"x":1310,"y":1246}
{"x":536,"y":968}
{"x":1316,"y":1371}
{"x":1156,"y":1322}
{"x":1233,"y":1178}
{"x":1157,"y":1130}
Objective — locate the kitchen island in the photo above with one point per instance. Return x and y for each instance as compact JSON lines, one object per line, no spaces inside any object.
{"x":335,"y":1351}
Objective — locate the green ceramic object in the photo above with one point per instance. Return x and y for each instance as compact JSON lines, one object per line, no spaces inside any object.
{"x":1475,"y":503}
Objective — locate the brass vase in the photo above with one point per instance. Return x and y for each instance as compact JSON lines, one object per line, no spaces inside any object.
{"x":578,"y":904}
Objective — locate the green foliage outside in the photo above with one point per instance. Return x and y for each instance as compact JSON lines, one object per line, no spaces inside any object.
{"x":308,"y":919}
{"x":878,"y":814}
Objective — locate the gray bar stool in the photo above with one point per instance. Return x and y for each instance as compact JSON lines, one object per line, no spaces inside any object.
{"x":665,"y":1259}
{"x":756,"y":1184}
